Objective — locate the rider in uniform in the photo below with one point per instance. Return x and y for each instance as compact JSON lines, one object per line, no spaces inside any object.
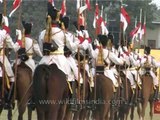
{"x":54,"y":49}
{"x":30,"y":47}
{"x":6,"y":41}
{"x":148,"y":63}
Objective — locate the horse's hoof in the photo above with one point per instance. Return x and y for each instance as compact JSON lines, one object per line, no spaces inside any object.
{"x":8,"y":106}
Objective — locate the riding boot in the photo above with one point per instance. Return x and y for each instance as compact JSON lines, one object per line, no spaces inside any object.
{"x":139,"y":98}
{"x":132,"y":97}
{"x":73,"y":100}
{"x":8,"y":104}
{"x":156,"y":92}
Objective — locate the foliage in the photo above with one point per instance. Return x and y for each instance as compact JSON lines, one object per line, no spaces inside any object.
{"x":35,"y":11}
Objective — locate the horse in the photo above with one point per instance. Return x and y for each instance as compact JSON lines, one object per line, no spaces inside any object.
{"x":104,"y":94}
{"x":82,"y":98}
{"x":147,"y":95}
{"x":126,"y":98}
{"x":23,"y":89}
{"x":50,"y":91}
{"x":4,"y":93}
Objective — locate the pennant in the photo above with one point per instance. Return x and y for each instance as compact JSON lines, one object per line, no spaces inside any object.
{"x":51,"y":1}
{"x":88,"y":4}
{"x":135,"y":30}
{"x":16,"y":5}
{"x":63,"y":8}
{"x":96,"y":17}
{"x":124,"y":18}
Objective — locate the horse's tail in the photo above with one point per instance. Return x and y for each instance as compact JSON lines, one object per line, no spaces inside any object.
{"x":40,"y":78}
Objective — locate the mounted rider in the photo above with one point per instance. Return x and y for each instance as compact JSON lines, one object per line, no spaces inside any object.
{"x":6,"y":41}
{"x":148,"y":63}
{"x":53,"y":40}
{"x":29,"y":46}
{"x":104,"y":45}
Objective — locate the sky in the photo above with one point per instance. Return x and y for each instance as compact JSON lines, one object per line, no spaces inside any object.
{"x":157,"y":2}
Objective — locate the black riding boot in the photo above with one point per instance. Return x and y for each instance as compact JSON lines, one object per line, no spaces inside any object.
{"x":139,"y":98}
{"x":156,"y":92}
{"x":8,"y":103}
{"x":73,"y":98}
{"x":132,"y":97}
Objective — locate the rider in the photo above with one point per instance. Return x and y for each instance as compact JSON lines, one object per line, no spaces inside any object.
{"x":148,"y":61}
{"x":108,"y":57}
{"x":54,"y":48}
{"x":6,"y":41}
{"x":29,"y":48}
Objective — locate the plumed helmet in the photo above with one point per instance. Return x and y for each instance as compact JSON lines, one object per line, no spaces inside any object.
{"x":52,"y":11}
{"x":65,"y":21}
{"x":1,"y":16}
{"x":27,"y":27}
{"x":147,"y":50}
{"x":103,"y":39}
{"x":111,"y":37}
{"x":81,"y":27}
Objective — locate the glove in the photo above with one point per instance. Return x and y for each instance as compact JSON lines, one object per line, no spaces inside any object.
{"x":5,"y":21}
{"x":19,"y":34}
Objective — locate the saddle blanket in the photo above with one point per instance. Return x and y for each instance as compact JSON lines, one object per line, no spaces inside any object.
{"x":157,"y":107}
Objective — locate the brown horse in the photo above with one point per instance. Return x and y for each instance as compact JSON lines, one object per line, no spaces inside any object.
{"x":4,"y":93}
{"x":23,"y":89}
{"x":104,"y":95}
{"x":51,"y":91}
{"x":147,"y":95}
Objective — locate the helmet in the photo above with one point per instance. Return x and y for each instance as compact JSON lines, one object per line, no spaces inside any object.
{"x":147,"y":50}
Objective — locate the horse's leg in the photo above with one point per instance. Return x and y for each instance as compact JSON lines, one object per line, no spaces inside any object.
{"x":21,"y":110}
{"x":151,"y":109}
{"x":10,"y":114}
{"x":68,"y":115}
{"x":62,"y":112}
{"x":29,"y":113}
{"x":40,"y":113}
{"x":139,"y":110}
{"x":144,"y":105}
{"x":127,"y":113}
{"x":132,"y":112}
{"x":76,"y":115}
{"x":52,"y":113}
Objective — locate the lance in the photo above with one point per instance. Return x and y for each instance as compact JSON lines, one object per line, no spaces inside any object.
{"x":16,"y":56}
{"x":4,"y":46}
{"x":78,"y":52}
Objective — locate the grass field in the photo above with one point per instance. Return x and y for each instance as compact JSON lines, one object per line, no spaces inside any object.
{"x":3,"y":116}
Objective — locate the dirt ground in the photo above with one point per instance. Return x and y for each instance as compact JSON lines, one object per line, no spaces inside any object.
{"x":3,"y":116}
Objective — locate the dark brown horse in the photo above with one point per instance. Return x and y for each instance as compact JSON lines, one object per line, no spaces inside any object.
{"x":104,"y":95}
{"x":23,"y":87}
{"x":50,"y":92}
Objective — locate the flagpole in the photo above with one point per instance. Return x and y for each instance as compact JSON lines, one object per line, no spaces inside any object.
{"x":144,"y":31}
{"x":4,"y":46}
{"x":140,"y":19}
